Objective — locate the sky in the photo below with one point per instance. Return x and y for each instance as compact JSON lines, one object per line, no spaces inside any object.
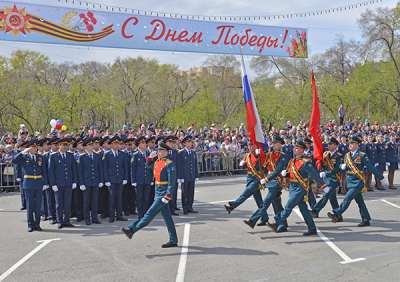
{"x":323,"y":30}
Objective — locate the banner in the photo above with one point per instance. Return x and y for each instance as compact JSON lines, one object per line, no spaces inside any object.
{"x":61,"y":25}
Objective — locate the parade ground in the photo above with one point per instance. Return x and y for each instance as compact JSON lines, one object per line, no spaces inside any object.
{"x":213,"y":246}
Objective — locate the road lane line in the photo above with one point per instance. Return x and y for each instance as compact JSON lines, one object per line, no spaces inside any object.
{"x":180,"y":276}
{"x":43,"y":244}
{"x":345,"y":258}
{"x":389,"y":203}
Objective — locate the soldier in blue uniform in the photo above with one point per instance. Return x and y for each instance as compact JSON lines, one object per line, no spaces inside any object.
{"x":129,"y":193}
{"x":34,"y":179}
{"x":165,"y":179}
{"x":50,"y":197}
{"x":141,"y":177}
{"x":330,"y":174}
{"x":380,"y":161}
{"x":370,"y":151}
{"x":288,"y":148}
{"x":300,"y":171}
{"x":90,"y":180}
{"x":151,"y":157}
{"x":173,"y":156}
{"x":354,"y":163}
{"x":42,"y":150}
{"x":115,"y":177}
{"x":188,"y":173}
{"x":276,"y":161}
{"x":103,"y":192}
{"x":62,"y":179}
{"x":392,"y":159}
{"x":77,"y":195}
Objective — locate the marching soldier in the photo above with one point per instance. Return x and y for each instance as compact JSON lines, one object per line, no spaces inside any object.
{"x":309,"y":153}
{"x":255,"y":164}
{"x":90,"y":180}
{"x":165,"y":179}
{"x":343,"y":149}
{"x":188,"y":173}
{"x":354,"y":163}
{"x":141,"y":176}
{"x":300,"y":171}
{"x":35,"y":177}
{"x":51,"y":204}
{"x":392,"y":157}
{"x":63,"y":179}
{"x":115,"y":177}
{"x":276,"y":161}
{"x":330,"y":174}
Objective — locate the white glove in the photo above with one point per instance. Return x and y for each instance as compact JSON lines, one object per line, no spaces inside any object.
{"x":134,"y":184}
{"x":45,"y":187}
{"x":153,"y":154}
{"x":377,"y":164}
{"x":108,"y":184}
{"x":263,"y":181}
{"x":26,"y":151}
{"x":180,"y":181}
{"x":257,"y":152}
{"x":165,"y":201}
{"x":284,"y":173}
{"x":322,"y":174}
{"x":388,"y":164}
{"x":19,"y":179}
{"x":326,"y":189}
{"x":152,"y":183}
{"x":197,"y":179}
{"x":54,"y":188}
{"x":242,"y":163}
{"x":124,"y":182}
{"x":343,"y":166}
{"x":82,"y":187}
{"x":101,"y":184}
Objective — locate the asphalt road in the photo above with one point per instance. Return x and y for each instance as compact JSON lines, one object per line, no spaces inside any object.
{"x":214,"y":246}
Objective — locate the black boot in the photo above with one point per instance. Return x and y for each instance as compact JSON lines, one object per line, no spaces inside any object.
{"x":169,"y":245}
{"x":249,"y":223}
{"x":128,"y":232}
{"x":364,"y":224}
{"x":228,"y":208}
{"x":310,"y":232}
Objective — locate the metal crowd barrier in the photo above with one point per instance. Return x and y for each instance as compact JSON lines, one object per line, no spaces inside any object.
{"x":211,"y":164}
{"x":8,"y":180}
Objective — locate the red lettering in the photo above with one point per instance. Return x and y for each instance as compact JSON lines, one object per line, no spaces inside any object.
{"x":157,"y":25}
{"x":134,"y":21}
{"x":261,"y":43}
{"x":221,"y":29}
{"x":172,"y":35}
{"x":196,"y":37}
{"x":253,"y":40}
{"x":235,"y":39}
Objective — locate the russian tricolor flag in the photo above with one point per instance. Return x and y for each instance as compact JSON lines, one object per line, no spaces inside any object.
{"x":254,"y":126}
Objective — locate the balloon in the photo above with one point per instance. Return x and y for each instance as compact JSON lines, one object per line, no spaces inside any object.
{"x":64,"y":128}
{"x":53,"y":123}
{"x":61,"y":121}
{"x":58,"y":126}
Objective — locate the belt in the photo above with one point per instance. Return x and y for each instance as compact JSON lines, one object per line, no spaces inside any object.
{"x":32,"y":177}
{"x":161,"y":182}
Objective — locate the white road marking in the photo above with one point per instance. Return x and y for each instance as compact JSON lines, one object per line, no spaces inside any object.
{"x":180,"y":276}
{"x":27,"y":257}
{"x":389,"y":203}
{"x":346,"y":258}
{"x":1,"y":209}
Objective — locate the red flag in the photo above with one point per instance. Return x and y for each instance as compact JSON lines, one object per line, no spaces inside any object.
{"x":315,"y":128}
